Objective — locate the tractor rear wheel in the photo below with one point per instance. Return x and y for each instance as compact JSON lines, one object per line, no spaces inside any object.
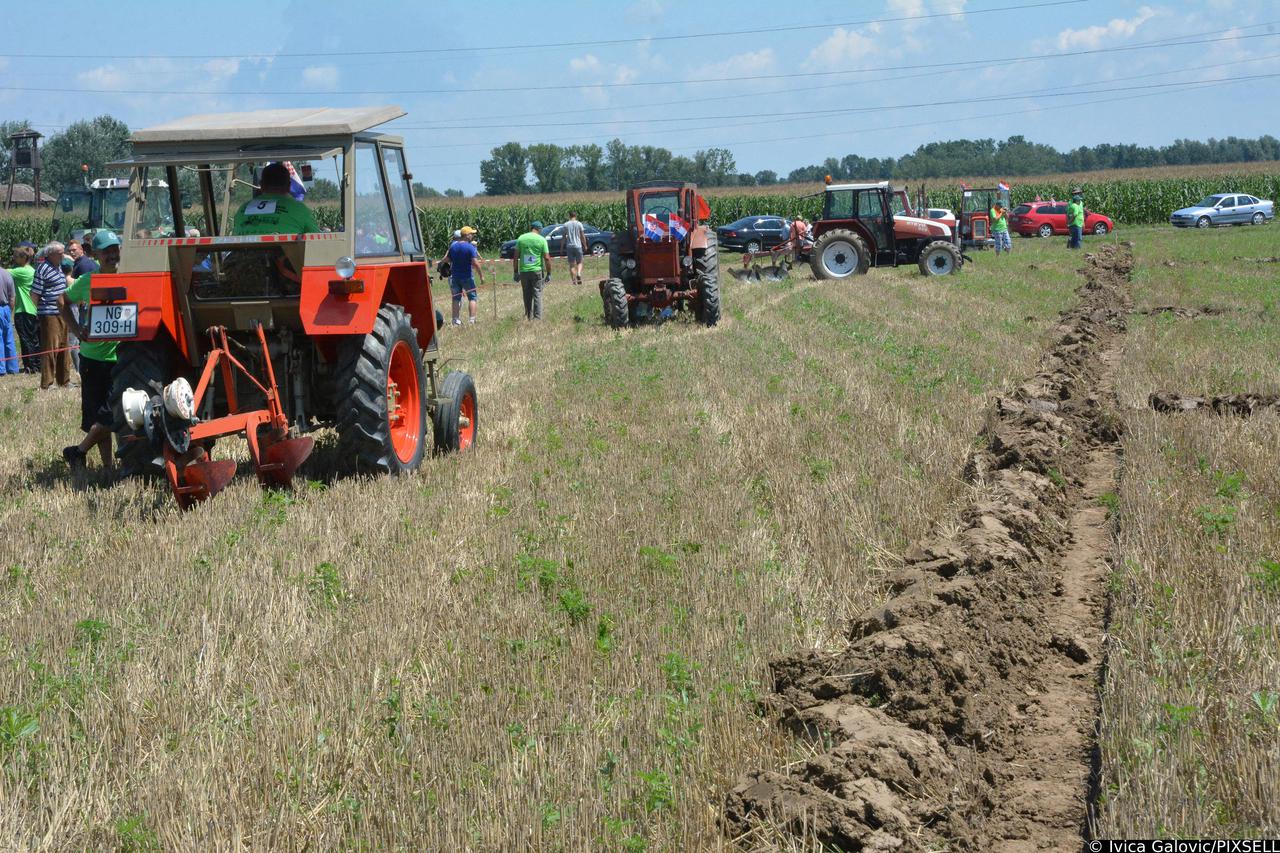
{"x":143,"y":366}
{"x":706,"y":270}
{"x":839,"y":253}
{"x":940,"y":258}
{"x":614,"y":295}
{"x":381,"y":396}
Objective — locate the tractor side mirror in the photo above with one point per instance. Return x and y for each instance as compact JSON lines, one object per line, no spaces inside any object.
{"x":305,"y":172}
{"x":66,"y":205}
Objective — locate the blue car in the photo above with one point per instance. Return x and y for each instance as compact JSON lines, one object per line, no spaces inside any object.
{"x":1225,"y":209}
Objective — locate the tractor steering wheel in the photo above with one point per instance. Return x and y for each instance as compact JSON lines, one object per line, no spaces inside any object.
{"x":660,"y":209}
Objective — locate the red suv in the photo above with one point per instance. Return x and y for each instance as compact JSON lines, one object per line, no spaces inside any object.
{"x":1047,"y":218}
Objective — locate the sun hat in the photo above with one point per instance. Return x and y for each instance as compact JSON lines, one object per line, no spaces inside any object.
{"x":467,"y":230}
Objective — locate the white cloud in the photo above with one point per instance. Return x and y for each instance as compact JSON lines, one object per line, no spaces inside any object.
{"x":222,"y":68}
{"x":601,"y":72}
{"x":743,"y":64}
{"x":320,"y":76}
{"x":103,"y":77}
{"x":843,"y":49}
{"x":1091,"y":37}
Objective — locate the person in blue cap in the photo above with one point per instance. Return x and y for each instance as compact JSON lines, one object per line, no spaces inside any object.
{"x":97,"y":359}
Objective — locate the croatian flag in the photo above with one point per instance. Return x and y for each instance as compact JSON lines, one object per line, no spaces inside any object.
{"x":679,"y":228}
{"x":296,"y":188}
{"x":654,"y":228}
{"x":1004,"y":188}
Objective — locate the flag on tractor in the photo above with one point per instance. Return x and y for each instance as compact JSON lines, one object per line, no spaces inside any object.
{"x":679,"y":228}
{"x":297,"y":189}
{"x":1003,"y":187}
{"x":654,"y":228}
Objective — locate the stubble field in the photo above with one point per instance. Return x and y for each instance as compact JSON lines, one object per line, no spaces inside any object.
{"x":561,"y":639}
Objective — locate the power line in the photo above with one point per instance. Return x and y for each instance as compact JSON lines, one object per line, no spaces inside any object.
{"x":1017,"y":7}
{"x":651,"y":83}
{"x":1186,"y":87}
{"x":783,"y":116}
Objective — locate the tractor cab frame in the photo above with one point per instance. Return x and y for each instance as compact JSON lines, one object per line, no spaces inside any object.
{"x":858,"y":230}
{"x":975,"y":215}
{"x":666,"y":258}
{"x":333,"y":327}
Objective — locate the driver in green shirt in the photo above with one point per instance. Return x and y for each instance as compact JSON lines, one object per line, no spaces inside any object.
{"x":1075,"y":219}
{"x":273,"y":210}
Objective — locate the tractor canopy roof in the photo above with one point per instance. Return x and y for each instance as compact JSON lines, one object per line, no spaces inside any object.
{"x":869,"y":186}
{"x":659,"y":185}
{"x":258,"y":136}
{"x":268,"y":125}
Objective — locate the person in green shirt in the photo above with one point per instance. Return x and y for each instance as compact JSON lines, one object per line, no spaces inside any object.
{"x":97,"y":359}
{"x":1000,"y":228}
{"x":1075,"y":219}
{"x":273,"y":210}
{"x":531,"y":266}
{"x":25,"y":321}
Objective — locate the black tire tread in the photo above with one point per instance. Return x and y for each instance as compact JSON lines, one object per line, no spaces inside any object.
{"x":820,"y":245}
{"x":614,"y":295}
{"x":360,"y":385}
{"x":956,"y":257}
{"x":445,"y":427}
{"x":706,"y":267}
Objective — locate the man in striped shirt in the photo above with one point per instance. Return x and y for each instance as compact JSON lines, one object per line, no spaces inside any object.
{"x":48,"y":285}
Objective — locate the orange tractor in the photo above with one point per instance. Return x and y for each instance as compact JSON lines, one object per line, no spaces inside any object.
{"x":975,"y":214}
{"x":666,"y":259}
{"x":273,"y":335}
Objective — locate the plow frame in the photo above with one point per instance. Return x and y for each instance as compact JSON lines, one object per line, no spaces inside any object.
{"x":193,"y":476}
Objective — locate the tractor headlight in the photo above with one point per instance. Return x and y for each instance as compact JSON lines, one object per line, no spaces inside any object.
{"x":629,"y":263}
{"x":345,"y":267}
{"x":686,"y":261}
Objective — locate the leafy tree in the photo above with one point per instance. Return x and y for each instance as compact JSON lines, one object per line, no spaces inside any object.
{"x":94,"y":143}
{"x":547,"y":161}
{"x":421,"y":190}
{"x":452,"y":193}
{"x":592,"y":158}
{"x":506,"y":172}
{"x":766,"y":177}
{"x":323,"y":189}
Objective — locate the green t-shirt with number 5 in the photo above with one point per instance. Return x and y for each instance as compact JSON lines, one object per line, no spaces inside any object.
{"x":270,"y":213}
{"x":77,"y":292}
{"x":530,"y":247}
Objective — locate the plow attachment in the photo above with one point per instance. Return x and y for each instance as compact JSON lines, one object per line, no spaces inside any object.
{"x":170,"y":419}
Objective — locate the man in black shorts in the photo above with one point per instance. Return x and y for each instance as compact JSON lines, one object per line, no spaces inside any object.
{"x":97,"y":358}
{"x":575,"y":245}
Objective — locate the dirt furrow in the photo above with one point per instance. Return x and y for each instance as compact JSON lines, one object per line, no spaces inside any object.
{"x":962,"y":710}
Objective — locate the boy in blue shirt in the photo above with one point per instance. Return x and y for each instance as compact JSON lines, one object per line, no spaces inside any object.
{"x":463,"y":258}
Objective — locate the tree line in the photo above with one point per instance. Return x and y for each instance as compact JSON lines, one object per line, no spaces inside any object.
{"x":513,"y":169}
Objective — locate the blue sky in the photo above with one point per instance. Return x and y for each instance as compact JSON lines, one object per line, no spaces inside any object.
{"x":623,"y":75}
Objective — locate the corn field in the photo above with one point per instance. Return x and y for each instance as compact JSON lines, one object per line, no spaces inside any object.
{"x":1129,"y":202}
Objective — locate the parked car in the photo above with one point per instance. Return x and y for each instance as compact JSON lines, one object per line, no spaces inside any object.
{"x":1046,"y":218}
{"x":598,"y":242}
{"x":753,"y":233}
{"x":1224,"y":209}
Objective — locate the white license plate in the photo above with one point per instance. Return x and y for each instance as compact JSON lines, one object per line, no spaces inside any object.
{"x":118,"y":320}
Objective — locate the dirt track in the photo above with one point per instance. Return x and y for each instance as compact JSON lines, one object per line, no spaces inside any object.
{"x":963,"y":707}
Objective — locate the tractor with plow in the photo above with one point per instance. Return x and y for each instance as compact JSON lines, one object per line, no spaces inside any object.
{"x":859,"y":230}
{"x":666,"y":259}
{"x":254,"y":329}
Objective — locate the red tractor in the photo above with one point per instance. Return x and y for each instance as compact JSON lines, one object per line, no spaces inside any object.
{"x":975,"y":214}
{"x":859,"y":230}
{"x":233,"y":328}
{"x":666,"y":259}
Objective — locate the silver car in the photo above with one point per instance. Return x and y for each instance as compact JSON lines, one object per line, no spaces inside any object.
{"x":1225,"y":209}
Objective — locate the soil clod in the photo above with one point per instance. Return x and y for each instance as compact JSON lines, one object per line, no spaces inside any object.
{"x":1240,"y":405}
{"x":961,"y":711}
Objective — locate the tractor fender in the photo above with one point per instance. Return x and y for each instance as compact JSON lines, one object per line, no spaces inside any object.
{"x":153,"y":292}
{"x":913,"y":227}
{"x":326,"y":311}
{"x":698,"y":238}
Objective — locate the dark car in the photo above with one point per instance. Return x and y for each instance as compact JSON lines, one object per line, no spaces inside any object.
{"x":753,"y":233}
{"x":1046,"y":218}
{"x":598,"y":242}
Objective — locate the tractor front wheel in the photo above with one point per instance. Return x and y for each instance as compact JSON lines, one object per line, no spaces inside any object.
{"x":614,"y":295}
{"x":381,"y":396}
{"x":940,"y":258}
{"x":143,"y":366}
{"x":839,"y":253}
{"x":455,"y":417}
